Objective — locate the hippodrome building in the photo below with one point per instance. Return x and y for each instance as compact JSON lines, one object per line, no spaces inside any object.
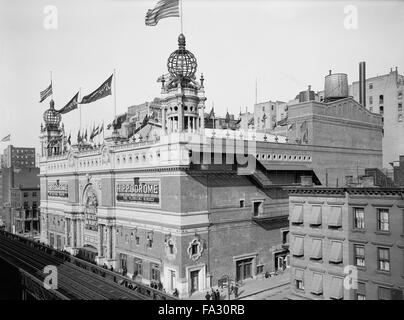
{"x":174,"y":202}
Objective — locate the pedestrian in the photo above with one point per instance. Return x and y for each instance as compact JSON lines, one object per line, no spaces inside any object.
{"x":213,"y":295}
{"x":160,"y":286}
{"x":217,"y":294}
{"x":207,"y":296}
{"x":175,"y":293}
{"x":236,"y":291}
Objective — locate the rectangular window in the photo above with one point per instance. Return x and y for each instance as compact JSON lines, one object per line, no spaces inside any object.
{"x":384,"y":293}
{"x":381,"y":99}
{"x":400,"y":118}
{"x":297,"y":215}
{"x":260,"y":269}
{"x":299,"y":284}
{"x":299,"y":279}
{"x":370,"y":86}
{"x":257,"y":207}
{"x":25,"y":194}
{"x":155,"y":272}
{"x":34,"y":194}
{"x":370,"y":100}
{"x":383,"y":220}
{"x":137,"y":267}
{"x":361,"y":291}
{"x":371,"y":109}
{"x":383,"y":257}
{"x":359,"y":218}
{"x":381,"y":110}
{"x":359,"y":251}
{"x":316,"y":250}
{"x":400,"y":107}
{"x":242,"y":204}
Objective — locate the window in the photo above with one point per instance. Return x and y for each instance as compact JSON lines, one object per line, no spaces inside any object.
{"x":337,"y":290}
{"x":263,"y":108}
{"x":317,"y":284}
{"x":299,"y":279}
{"x":297,"y":215}
{"x":25,"y":194}
{"x":155,"y":272}
{"x":299,"y":284}
{"x":370,"y":86}
{"x":298,"y":247}
{"x":316,"y":250}
{"x":400,"y":107}
{"x":242,"y":203}
{"x":137,"y":267}
{"x":257,"y":207}
{"x":381,"y":99}
{"x":384,"y":293}
{"x":383,"y":219}
{"x":370,"y":100}
{"x":336,"y":252}
{"x":371,"y":109}
{"x":400,"y":118}
{"x":34,"y":194}
{"x":361,"y":291}
{"x":359,"y":218}
{"x":383,"y":257}
{"x":260,"y":269}
{"x":315,"y":216}
{"x":335,"y":218}
{"x":137,"y":240}
{"x":381,"y":110}
{"x":359,"y":251}
{"x":194,"y":248}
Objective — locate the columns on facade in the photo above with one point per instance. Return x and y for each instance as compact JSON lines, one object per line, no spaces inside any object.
{"x":100,"y":240}
{"x":109,"y":239}
{"x":202,"y":117}
{"x":163,"y":120}
{"x":73,"y":234}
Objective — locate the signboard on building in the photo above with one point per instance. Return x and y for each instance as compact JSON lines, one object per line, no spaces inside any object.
{"x":135,"y":191}
{"x":58,"y":190}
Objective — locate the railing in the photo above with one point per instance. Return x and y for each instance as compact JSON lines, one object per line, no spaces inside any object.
{"x":109,"y":275}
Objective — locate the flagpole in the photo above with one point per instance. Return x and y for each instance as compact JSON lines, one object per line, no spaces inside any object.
{"x":114,"y":93}
{"x":181,"y":17}
{"x":51,"y":83}
{"x":80,"y":106}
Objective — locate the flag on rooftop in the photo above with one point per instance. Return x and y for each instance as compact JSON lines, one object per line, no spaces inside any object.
{"x":45,"y":93}
{"x":71,"y":105}
{"x":6,"y":138}
{"x":101,"y":92}
{"x":163,"y":9}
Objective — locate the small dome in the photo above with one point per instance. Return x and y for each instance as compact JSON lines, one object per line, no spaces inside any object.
{"x":51,"y":117}
{"x":182,"y":63}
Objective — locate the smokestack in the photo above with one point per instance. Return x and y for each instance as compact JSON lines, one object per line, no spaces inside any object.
{"x":362,"y":83}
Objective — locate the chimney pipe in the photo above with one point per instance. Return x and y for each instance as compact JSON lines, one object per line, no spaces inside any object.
{"x":329,"y":71}
{"x":362,"y":83}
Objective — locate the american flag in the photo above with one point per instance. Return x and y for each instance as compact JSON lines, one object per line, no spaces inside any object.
{"x":163,"y":9}
{"x":46,"y":93}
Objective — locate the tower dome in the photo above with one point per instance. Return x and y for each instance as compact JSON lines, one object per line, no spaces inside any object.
{"x":51,"y":116}
{"x":182,"y":63}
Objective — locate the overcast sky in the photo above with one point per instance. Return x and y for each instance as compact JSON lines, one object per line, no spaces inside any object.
{"x":286,"y":45}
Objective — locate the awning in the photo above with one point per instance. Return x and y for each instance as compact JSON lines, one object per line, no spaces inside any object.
{"x":316,"y":249}
{"x":317,"y":283}
{"x":315,"y":215}
{"x":337,"y":291}
{"x":298,"y":246}
{"x":269,"y":165}
{"x":297,"y":214}
{"x":299,"y":274}
{"x":335,"y":218}
{"x":336,"y":252}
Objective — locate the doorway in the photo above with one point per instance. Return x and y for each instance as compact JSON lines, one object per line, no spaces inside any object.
{"x":194,"y":280}
{"x":244,"y":269}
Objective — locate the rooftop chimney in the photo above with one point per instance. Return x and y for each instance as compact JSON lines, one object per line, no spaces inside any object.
{"x":329,"y":71}
{"x":306,"y":181}
{"x":362,"y":83}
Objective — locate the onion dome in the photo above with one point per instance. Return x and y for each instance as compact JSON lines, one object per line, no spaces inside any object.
{"x":182,"y":63}
{"x":51,"y":116}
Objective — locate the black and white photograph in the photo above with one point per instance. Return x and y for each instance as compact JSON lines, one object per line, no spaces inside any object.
{"x":213,"y":152}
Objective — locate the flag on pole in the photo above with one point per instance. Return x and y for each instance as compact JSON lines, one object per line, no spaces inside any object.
{"x":163,"y":9}
{"x":71,"y":105}
{"x":45,"y":93}
{"x":6,"y":138}
{"x":78,"y":137}
{"x":69,"y":141}
{"x":101,"y":92}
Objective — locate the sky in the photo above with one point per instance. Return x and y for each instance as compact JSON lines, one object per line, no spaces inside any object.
{"x":283,"y":46}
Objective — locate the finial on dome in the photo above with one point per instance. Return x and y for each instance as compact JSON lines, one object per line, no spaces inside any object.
{"x":181,"y":41}
{"x":52,"y":104}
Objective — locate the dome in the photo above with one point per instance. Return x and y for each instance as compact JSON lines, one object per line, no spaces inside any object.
{"x":51,"y":116}
{"x":182,"y":63}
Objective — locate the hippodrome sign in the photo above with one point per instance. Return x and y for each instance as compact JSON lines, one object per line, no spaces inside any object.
{"x":58,"y":190}
{"x":145,"y":191}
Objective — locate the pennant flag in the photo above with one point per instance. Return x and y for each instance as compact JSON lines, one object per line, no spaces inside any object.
{"x":94,"y":132}
{"x":250,"y":122}
{"x":78,"y":137}
{"x":101,"y":92}
{"x":6,"y":138}
{"x":71,"y":105}
{"x":102,"y":128}
{"x":85,"y":136}
{"x":163,"y":9}
{"x":69,"y":139}
{"x":46,"y":93}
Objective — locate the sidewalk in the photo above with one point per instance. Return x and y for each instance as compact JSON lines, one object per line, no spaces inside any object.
{"x":249,"y":287}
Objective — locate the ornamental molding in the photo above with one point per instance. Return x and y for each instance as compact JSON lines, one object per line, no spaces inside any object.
{"x":198,"y":254}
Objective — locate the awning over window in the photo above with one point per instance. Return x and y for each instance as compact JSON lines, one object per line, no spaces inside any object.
{"x":315,"y":215}
{"x":336,"y":252}
{"x":335,"y":218}
{"x":316,"y":249}
{"x":317,"y":283}
{"x":298,"y":246}
{"x":337,"y":290}
{"x":297,"y":214}
{"x":299,"y":274}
